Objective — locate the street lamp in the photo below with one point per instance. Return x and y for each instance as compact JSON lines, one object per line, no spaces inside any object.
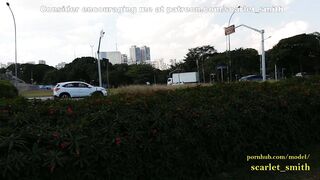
{"x":15,"y":38}
{"x":261,"y":56}
{"x":234,"y":11}
{"x":98,"y":52}
{"x":92,"y":50}
{"x":198,"y":69}
{"x":263,"y":53}
{"x":229,"y":43}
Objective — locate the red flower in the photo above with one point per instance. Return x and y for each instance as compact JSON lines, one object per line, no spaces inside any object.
{"x":69,"y":110}
{"x":51,"y":111}
{"x":118,"y":141}
{"x":64,"y":145}
{"x":56,"y":135}
{"x":51,"y":168}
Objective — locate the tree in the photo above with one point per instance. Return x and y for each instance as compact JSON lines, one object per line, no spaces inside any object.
{"x":118,"y":76}
{"x":141,"y":73}
{"x":245,"y":61}
{"x":198,"y":54}
{"x":32,"y":73}
{"x":2,"y":70}
{"x":299,"y":53}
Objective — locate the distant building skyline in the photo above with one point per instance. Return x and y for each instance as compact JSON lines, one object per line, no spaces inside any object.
{"x":42,"y":62}
{"x":61,"y":65}
{"x":114,"y":57}
{"x":31,"y":62}
{"x":135,"y":54}
{"x":159,"y":64}
{"x":145,"y":53}
{"x":139,"y":55}
{"x":124,"y":59}
{"x":3,"y":65}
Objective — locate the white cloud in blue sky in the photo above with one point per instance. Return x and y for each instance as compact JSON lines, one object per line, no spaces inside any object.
{"x":57,"y":37}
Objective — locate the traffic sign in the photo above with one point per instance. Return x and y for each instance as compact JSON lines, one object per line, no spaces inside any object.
{"x":229,"y":30}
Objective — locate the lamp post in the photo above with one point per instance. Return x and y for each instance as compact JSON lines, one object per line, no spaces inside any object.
{"x":203,"y":75}
{"x":15,"y":39}
{"x":98,"y":52}
{"x":198,"y":70}
{"x":229,"y":44}
{"x":263,"y":54}
{"x":92,"y":50}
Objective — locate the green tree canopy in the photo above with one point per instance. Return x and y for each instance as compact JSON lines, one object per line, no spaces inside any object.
{"x":299,"y":53}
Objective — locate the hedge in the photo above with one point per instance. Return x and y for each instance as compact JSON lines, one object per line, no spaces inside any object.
{"x":7,"y":90}
{"x":192,"y":133}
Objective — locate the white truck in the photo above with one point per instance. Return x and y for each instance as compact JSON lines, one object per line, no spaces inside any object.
{"x":183,"y":78}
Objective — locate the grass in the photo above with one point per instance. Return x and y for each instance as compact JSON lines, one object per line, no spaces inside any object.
{"x":36,"y":93}
{"x":132,"y":89}
{"x":144,"y":89}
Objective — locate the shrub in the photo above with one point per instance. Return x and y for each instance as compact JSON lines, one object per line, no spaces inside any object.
{"x":7,"y":90}
{"x":191,"y":133}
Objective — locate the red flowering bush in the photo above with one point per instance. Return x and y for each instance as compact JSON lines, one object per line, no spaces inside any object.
{"x":191,"y":133}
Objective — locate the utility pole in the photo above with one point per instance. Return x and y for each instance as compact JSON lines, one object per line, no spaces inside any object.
{"x":15,"y":44}
{"x":92,"y":50}
{"x":263,"y":55}
{"x":98,"y":52}
{"x":203,"y":75}
{"x":229,"y":46}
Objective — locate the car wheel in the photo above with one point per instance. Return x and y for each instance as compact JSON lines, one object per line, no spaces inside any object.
{"x":64,"y":95}
{"x":97,"y":94}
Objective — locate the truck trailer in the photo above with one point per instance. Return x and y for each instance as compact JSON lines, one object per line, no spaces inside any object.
{"x":183,"y":78}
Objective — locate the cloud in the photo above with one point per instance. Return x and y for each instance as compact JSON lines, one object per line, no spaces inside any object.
{"x":286,"y":30}
{"x":168,"y":36}
{"x":57,"y":37}
{"x":282,"y":2}
{"x":252,"y":39}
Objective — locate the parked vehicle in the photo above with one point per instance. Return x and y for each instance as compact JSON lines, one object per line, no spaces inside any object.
{"x":253,"y":78}
{"x":77,"y":89}
{"x":46,"y":87}
{"x":183,"y":78}
{"x":303,"y":75}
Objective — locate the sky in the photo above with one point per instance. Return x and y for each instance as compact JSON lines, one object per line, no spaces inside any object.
{"x":46,"y":31}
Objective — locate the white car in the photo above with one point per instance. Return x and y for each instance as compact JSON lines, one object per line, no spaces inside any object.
{"x":77,"y":89}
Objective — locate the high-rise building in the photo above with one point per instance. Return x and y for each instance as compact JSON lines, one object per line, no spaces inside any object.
{"x":145,"y":54}
{"x":3,"y":65}
{"x":42,"y":62}
{"x":31,"y":62}
{"x":103,"y":55}
{"x":61,"y":65}
{"x":114,"y":57}
{"x":124,"y":59}
{"x":159,"y":64}
{"x":135,"y":54}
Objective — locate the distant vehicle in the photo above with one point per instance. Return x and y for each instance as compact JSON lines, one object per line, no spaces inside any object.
{"x":46,"y":87}
{"x":77,"y":89}
{"x":302,"y":74}
{"x":183,"y":78}
{"x":253,"y":78}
